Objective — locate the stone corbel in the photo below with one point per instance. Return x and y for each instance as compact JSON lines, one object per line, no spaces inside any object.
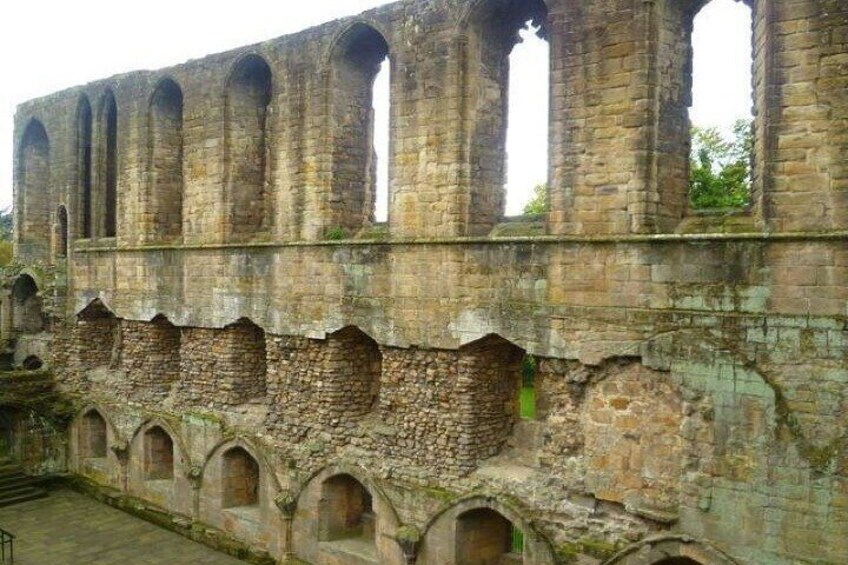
{"x":121,"y":449}
{"x":195,"y":476}
{"x":286,"y":502}
{"x":409,"y":540}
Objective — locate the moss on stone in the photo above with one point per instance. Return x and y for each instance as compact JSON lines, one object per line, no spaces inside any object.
{"x":599,"y":549}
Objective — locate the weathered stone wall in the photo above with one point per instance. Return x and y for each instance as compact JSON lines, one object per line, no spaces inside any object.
{"x":150,"y":359}
{"x":620,"y":87}
{"x":690,"y":385}
{"x":220,"y":369}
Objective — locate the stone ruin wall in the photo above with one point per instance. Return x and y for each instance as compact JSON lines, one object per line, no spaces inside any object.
{"x":692,"y":375}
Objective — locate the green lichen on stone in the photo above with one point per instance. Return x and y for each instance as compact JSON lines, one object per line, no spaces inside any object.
{"x":820,"y":458}
{"x":599,"y":549}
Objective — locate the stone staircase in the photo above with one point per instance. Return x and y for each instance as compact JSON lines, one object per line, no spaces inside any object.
{"x":16,"y":486}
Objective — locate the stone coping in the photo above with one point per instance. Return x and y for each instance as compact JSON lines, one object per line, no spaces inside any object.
{"x":97,"y":246}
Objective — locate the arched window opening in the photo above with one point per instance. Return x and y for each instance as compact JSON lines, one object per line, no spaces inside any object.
{"x":34,"y":179}
{"x":346,"y":511}
{"x":108,"y":166}
{"x":93,"y":437}
{"x":62,"y":235}
{"x":382,"y":136}
{"x":484,"y":536}
{"x":527,"y":399}
{"x":84,"y":143}
{"x":27,"y":315}
{"x":247,"y":109}
{"x":527,"y":123}
{"x":158,"y":455}
{"x":166,"y":160}
{"x":361,"y":55}
{"x":240,"y":477}
{"x":495,"y":30}
{"x":720,"y":173}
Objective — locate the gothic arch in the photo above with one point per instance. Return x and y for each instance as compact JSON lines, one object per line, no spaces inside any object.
{"x":249,"y":92}
{"x":105,"y":200}
{"x":353,"y":64}
{"x":441,"y":527}
{"x":33,"y":186}
{"x":165,"y":140}
{"x":664,"y":549}
{"x":239,"y":441}
{"x":181,"y":452}
{"x":84,"y":148}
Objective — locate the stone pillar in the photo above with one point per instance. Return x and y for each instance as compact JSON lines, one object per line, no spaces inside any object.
{"x":802,"y":137}
{"x":6,"y":317}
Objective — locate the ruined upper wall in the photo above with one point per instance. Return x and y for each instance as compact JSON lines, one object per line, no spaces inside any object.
{"x":271,"y":142}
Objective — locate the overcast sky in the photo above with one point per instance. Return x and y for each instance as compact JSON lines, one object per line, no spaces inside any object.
{"x":49,"y":45}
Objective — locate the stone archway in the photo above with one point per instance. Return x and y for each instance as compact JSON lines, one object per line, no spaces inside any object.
{"x":671,"y":550}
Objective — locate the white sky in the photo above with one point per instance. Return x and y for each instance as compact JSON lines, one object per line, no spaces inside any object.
{"x":49,"y":45}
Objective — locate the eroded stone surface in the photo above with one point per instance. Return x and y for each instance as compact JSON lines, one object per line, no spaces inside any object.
{"x":689,"y":388}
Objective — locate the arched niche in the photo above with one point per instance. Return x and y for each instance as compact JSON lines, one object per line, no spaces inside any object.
{"x":482,"y":529}
{"x":247,"y":147}
{"x":342,"y":514}
{"x":165,"y":180}
{"x":104,"y":205}
{"x":84,"y":147}
{"x":354,"y":65}
{"x":33,"y":180}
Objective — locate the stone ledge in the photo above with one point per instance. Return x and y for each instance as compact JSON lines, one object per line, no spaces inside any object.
{"x":841,"y":235}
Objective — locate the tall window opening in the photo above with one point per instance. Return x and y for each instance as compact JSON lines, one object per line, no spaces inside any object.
{"x":240,"y":477}
{"x":484,"y":536}
{"x":62,"y":236}
{"x":108,"y":165}
{"x":382,"y":134}
{"x":247,"y":109}
{"x":166,"y":156}
{"x":360,"y":56}
{"x":34,"y":179}
{"x":722,"y":98}
{"x":93,"y":437}
{"x":346,"y":511}
{"x":527,"y":399}
{"x":503,"y":37}
{"x":527,"y":123}
{"x":84,"y":126}
{"x":158,"y":455}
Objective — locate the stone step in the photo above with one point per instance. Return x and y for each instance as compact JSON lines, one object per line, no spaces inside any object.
{"x":14,"y":481}
{"x":24,"y":496}
{"x":16,"y":486}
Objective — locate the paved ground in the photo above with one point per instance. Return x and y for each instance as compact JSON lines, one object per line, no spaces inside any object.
{"x":68,"y":528}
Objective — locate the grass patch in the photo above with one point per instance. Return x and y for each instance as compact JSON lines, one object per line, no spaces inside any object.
{"x":527,"y":403}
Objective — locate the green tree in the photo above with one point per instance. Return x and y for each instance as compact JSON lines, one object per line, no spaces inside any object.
{"x":6,"y":224}
{"x":5,"y":237}
{"x":720,"y":172}
{"x":538,"y":205}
